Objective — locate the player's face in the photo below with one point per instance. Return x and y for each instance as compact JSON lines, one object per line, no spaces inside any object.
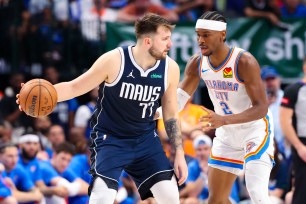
{"x":161,"y":43}
{"x":61,"y":161}
{"x":9,"y":158}
{"x":209,"y":41}
{"x":29,"y":150}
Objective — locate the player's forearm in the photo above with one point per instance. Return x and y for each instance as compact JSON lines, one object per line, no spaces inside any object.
{"x":64,"y":91}
{"x":174,"y":133}
{"x":255,"y":13}
{"x":31,"y":196}
{"x":251,"y":114}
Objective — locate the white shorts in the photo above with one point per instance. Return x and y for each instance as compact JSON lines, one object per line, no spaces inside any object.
{"x":235,"y":145}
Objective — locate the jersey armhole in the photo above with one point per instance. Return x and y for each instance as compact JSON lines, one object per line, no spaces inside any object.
{"x":236,"y":67}
{"x":200,"y":64}
{"x":120,"y":71}
{"x":166,"y":73}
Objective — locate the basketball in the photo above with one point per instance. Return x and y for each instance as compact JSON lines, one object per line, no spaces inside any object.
{"x":38,"y":98}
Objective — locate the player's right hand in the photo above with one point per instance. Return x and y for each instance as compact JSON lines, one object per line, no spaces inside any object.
{"x":180,"y":166}
{"x":17,"y":98}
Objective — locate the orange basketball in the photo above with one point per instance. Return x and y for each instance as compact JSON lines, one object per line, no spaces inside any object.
{"x":38,"y":97}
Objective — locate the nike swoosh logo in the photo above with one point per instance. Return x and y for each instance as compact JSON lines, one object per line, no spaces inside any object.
{"x":205,"y":70}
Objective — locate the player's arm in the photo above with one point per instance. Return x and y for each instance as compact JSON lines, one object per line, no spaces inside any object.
{"x":170,"y":114}
{"x":187,"y":86}
{"x":169,"y":104}
{"x":29,"y":196}
{"x":105,"y":66}
{"x":191,"y":78}
{"x":249,"y":72}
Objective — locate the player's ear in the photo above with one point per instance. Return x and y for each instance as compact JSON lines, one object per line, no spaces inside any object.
{"x":147,"y":41}
{"x":223,"y":34}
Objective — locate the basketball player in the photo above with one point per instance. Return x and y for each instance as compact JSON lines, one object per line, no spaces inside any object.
{"x":243,"y":125}
{"x":132,"y":80}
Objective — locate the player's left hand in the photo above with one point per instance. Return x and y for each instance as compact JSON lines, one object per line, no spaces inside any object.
{"x":211,"y":120}
{"x":180,"y":166}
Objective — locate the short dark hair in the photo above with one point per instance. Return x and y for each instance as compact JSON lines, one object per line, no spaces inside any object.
{"x":213,"y":15}
{"x":65,"y":147}
{"x":6,"y":145}
{"x":149,"y":23}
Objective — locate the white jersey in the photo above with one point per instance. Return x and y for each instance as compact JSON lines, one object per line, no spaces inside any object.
{"x":234,"y":144}
{"x":226,"y":90}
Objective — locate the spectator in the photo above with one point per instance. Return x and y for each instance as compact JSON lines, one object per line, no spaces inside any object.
{"x":263,"y":9}
{"x":272,"y":83}
{"x":84,"y":112}
{"x":9,"y":108}
{"x":80,"y":166}
{"x":293,"y":120}
{"x":190,"y":126}
{"x":196,"y":183}
{"x":41,"y":127}
{"x":16,"y":177}
{"x":64,"y":112}
{"x":279,"y":178}
{"x":56,"y":136}
{"x":29,"y":147}
{"x":5,"y":192}
{"x":58,"y":167}
{"x":137,"y":8}
{"x":293,"y":9}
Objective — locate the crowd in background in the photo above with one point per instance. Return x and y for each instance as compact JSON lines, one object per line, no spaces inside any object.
{"x":47,"y":159}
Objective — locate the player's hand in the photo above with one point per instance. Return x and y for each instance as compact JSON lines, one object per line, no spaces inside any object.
{"x":211,"y":120}
{"x":17,"y":98}
{"x":180,"y":166}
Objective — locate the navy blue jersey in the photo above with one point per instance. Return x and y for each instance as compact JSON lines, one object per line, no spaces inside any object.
{"x":126,"y":106}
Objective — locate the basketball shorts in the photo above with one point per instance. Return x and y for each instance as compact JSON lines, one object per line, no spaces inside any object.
{"x":142,"y":157}
{"x":235,"y":145}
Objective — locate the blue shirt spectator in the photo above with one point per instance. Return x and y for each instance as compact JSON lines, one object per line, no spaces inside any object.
{"x":33,"y":169}
{"x":20,"y":178}
{"x":298,"y":12}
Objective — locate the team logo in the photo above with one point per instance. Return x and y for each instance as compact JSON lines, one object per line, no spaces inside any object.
{"x":228,"y":72}
{"x":131,"y":74}
{"x":285,"y":101}
{"x":33,"y":168}
{"x":249,"y":146}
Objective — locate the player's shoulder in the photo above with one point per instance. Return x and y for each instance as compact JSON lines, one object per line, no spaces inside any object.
{"x":172,"y":64}
{"x":193,"y":64}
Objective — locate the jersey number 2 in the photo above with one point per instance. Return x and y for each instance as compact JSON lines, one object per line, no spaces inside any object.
{"x":225,"y":108}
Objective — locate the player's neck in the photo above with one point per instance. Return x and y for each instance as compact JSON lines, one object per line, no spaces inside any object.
{"x":143,"y":58}
{"x":219,"y":55}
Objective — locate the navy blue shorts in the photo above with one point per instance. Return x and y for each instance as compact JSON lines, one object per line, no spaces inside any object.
{"x":142,"y":157}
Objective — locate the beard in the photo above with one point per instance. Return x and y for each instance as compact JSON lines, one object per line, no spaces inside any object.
{"x":27,"y":156}
{"x":157,"y":55}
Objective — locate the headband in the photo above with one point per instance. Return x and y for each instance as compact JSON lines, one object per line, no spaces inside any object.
{"x":210,"y":25}
{"x":28,"y":138}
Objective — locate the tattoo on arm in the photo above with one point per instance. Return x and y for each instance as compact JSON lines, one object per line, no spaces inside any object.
{"x":174,"y":133}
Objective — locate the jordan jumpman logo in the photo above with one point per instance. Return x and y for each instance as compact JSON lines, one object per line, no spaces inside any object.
{"x":131,"y":74}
